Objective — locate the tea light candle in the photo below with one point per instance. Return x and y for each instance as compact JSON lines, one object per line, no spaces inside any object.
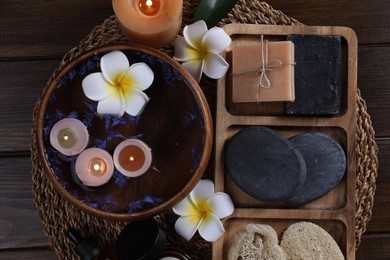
{"x":94,"y":167}
{"x":149,"y":22}
{"x":69,"y":136}
{"x":132,"y":157}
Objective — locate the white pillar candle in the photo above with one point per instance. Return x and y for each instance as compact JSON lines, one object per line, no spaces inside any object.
{"x":94,"y":167}
{"x":69,"y":136}
{"x":132,"y":157}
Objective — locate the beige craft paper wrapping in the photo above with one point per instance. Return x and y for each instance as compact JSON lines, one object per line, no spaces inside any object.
{"x":253,"y":82}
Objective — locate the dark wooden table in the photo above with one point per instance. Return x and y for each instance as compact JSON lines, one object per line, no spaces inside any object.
{"x":34,"y":35}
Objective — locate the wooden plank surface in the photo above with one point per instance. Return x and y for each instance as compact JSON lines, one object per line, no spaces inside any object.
{"x":47,"y":28}
{"x":44,"y":253}
{"x":21,"y":83}
{"x":380,"y":221}
{"x":370,"y":19}
{"x":374,"y":247}
{"x":20,"y":225}
{"x":373,"y":81}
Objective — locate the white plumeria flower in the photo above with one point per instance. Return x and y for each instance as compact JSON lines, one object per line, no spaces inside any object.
{"x":199,"y":48}
{"x":119,"y":87}
{"x":202,"y":210}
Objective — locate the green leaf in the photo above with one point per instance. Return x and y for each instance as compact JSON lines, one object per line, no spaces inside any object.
{"x":212,"y":11}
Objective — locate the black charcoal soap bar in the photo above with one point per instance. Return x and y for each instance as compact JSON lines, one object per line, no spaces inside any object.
{"x":317,"y":75}
{"x":265,"y":164}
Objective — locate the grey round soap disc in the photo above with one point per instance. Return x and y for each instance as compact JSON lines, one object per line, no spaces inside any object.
{"x":325,"y":165}
{"x":265,"y":164}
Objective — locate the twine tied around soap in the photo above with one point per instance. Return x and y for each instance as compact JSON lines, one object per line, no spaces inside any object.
{"x":265,"y":65}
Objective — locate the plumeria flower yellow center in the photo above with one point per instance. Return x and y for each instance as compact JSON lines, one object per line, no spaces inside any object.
{"x":202,"y":210}
{"x":119,"y":87}
{"x":199,"y":50}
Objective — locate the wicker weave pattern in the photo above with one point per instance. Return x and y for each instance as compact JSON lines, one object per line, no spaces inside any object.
{"x":57,"y":214}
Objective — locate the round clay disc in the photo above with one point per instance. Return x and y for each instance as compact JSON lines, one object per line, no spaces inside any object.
{"x":264,"y":164}
{"x":325,"y":165}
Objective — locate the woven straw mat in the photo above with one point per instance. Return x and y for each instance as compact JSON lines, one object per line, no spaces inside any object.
{"x":58,"y":215}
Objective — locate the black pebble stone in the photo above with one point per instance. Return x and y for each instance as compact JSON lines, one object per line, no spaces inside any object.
{"x":264,"y":164}
{"x":325,"y":164}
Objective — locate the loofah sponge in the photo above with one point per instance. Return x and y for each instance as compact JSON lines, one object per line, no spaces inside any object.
{"x":305,"y":240}
{"x":257,"y":241}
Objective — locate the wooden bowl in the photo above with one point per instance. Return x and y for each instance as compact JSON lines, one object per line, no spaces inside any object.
{"x":176,"y":124}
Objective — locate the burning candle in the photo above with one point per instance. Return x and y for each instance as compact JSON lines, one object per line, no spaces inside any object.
{"x":94,"y":167}
{"x":69,"y":136}
{"x":149,"y":22}
{"x":132,"y":157}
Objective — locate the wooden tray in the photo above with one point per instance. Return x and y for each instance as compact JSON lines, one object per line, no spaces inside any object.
{"x":335,"y":211}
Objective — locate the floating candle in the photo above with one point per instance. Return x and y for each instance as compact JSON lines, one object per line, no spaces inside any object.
{"x":69,"y":136}
{"x":94,"y":167}
{"x":149,"y":22}
{"x":132,"y":157}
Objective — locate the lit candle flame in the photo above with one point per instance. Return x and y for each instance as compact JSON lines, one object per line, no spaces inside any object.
{"x":96,"y":167}
{"x":149,"y":3}
{"x":132,"y":158}
{"x":66,"y":137}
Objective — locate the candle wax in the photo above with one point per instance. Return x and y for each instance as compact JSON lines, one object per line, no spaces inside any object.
{"x":66,"y":138}
{"x":97,"y":166}
{"x":149,"y":7}
{"x":132,"y":158}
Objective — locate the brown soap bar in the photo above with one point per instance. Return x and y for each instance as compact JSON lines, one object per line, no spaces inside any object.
{"x":317,"y":75}
{"x":249,"y":85}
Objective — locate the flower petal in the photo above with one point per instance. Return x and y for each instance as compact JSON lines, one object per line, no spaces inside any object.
{"x":141,"y":75}
{"x":135,"y":101}
{"x":112,"y":64}
{"x":195,"y":68}
{"x":194,"y":33}
{"x":211,"y":228}
{"x":183,"y":51}
{"x":216,"y":40}
{"x":95,"y":87}
{"x":215,"y":66}
{"x":202,"y":191}
{"x":185,"y":208}
{"x":221,"y":204}
{"x":187,"y":226}
{"x":113,"y":105}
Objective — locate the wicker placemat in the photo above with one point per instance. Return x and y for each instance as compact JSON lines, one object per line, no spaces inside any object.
{"x":57,"y":214}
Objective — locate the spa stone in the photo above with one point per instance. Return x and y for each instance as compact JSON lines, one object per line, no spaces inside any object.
{"x":317,"y":75}
{"x":264,"y":164}
{"x":325,"y":165}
